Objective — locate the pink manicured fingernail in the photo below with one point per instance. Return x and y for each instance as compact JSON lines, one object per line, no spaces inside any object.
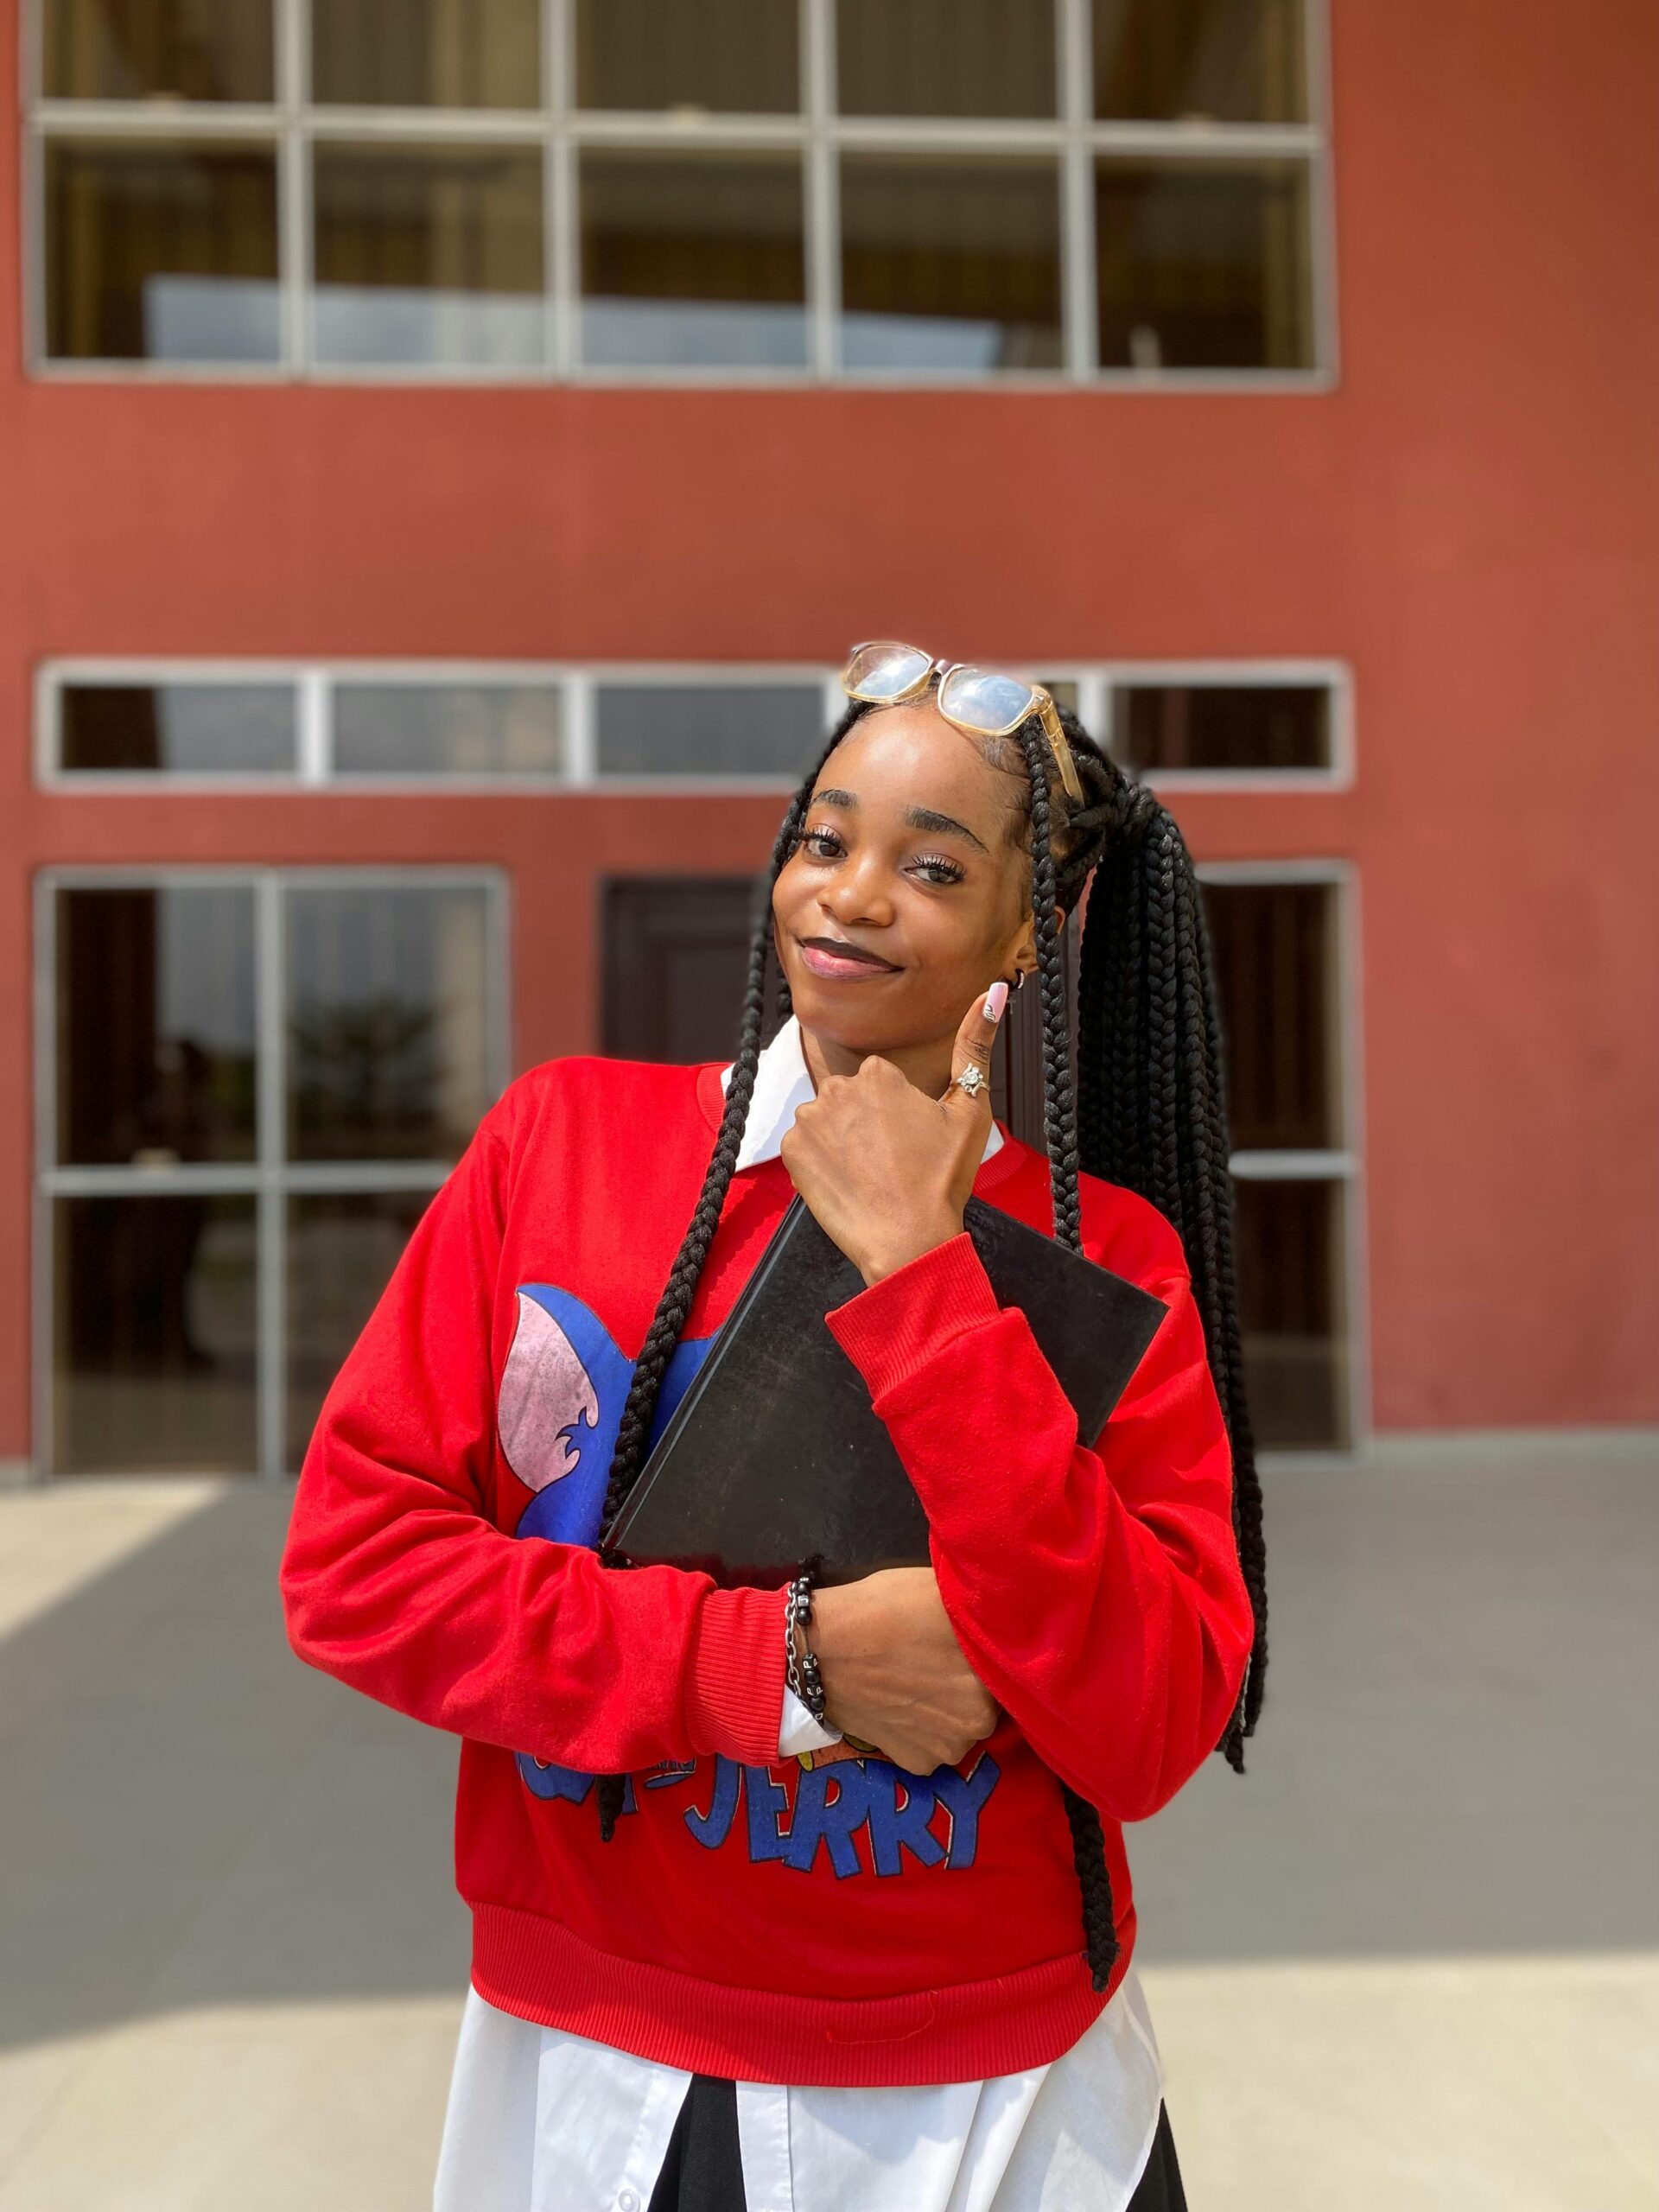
{"x":995,"y":999}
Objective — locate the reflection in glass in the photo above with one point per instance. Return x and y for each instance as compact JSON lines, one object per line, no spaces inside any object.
{"x":727,"y":56}
{"x":161,"y":252}
{"x":1203,"y":265}
{"x":427,"y":53}
{"x":429,"y":254}
{"x":1222,"y":726}
{"x":341,"y":1250}
{"x":156,"y":49}
{"x":178,"y":729}
{"x":692,"y":260}
{"x":443,"y":729}
{"x":153,"y":1335}
{"x":944,"y":57}
{"x":1293,"y":1313}
{"x":156,"y":1024}
{"x":950,"y":264}
{"x":770,"y":730}
{"x":387,"y":1021}
{"x":1274,"y":946}
{"x":1222,"y":60}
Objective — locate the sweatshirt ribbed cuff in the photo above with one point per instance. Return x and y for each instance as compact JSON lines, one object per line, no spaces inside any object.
{"x":896,"y":1326}
{"x":735,"y":1693}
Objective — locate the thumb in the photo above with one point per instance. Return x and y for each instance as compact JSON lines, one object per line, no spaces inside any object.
{"x":975,"y":1039}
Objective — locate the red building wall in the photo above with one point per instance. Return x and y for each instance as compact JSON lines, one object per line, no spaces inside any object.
{"x":1471,"y":520}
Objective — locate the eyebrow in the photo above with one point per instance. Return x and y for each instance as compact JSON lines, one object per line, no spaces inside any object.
{"x":917,"y":817}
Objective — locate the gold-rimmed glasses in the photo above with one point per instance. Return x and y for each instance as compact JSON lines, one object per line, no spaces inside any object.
{"x":985,"y":701}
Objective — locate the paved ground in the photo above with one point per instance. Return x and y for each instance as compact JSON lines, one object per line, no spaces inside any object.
{"x":1412,"y":1961}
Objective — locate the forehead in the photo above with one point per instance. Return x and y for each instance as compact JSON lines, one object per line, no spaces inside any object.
{"x":909,"y":756}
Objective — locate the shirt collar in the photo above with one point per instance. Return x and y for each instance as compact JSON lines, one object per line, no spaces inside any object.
{"x":782,"y":1083}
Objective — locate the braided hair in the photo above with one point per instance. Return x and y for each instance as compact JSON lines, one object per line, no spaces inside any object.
{"x":1148,"y":1111}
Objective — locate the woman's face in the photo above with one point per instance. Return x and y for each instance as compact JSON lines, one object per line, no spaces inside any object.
{"x":906,"y":857}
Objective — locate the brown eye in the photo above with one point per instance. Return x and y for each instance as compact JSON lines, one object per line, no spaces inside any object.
{"x":938,"y":869}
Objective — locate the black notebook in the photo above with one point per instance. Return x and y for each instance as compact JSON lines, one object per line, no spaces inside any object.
{"x":775,"y":1457}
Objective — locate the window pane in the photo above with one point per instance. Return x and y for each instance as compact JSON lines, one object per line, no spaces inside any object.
{"x":944,"y":57}
{"x":772,"y":730}
{"x":1222,"y":726}
{"x":950,"y":264}
{"x":161,"y":252}
{"x":1222,"y":60}
{"x":156,"y":1024}
{"x":1293,"y":1313}
{"x":440,"y":729}
{"x":387,"y":1022}
{"x":1202,"y":265}
{"x":429,"y":254}
{"x":732,"y":56}
{"x":179,"y":729}
{"x":341,"y":1251}
{"x":153,"y":1335}
{"x":158,"y":49}
{"x":427,"y":53}
{"x":692,"y":260}
{"x":1275,"y":957}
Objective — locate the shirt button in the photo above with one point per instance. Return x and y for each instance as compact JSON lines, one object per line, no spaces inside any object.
{"x":628,"y":2201}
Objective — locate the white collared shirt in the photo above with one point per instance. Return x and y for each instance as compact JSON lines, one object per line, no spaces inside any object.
{"x":542,"y":2120}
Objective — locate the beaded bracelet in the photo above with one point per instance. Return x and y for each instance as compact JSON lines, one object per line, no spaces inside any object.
{"x":801,"y":1661}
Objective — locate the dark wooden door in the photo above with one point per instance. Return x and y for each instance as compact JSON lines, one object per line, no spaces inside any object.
{"x":675,"y":949}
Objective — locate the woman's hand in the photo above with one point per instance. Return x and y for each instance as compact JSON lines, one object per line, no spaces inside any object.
{"x":893,"y":1673}
{"x":886,"y":1170}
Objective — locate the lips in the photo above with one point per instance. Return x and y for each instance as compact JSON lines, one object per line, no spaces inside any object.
{"x":836,"y":958}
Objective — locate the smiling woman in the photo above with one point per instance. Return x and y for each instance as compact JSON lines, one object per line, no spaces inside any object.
{"x":867,"y":1952}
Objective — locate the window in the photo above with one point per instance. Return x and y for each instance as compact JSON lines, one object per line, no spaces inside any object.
{"x":1201,"y":725}
{"x":252,"y":1083}
{"x":1275,"y":724}
{"x":1278,"y":937}
{"x":1126,"y":190}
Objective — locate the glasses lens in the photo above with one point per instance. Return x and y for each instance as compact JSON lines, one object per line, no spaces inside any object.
{"x":983,"y":700}
{"x":885,"y":670}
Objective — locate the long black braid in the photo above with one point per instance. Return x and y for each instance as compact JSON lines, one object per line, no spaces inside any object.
{"x":1153,"y":1118}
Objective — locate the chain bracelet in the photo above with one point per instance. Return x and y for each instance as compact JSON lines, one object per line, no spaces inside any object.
{"x":801,"y":1663}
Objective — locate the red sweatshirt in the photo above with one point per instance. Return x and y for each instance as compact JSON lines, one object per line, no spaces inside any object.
{"x":825,"y":1920}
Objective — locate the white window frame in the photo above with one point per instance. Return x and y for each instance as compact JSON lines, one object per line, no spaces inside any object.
{"x":576,"y":682}
{"x":1342,"y":1164}
{"x":816,"y":133}
{"x":270,"y":1179}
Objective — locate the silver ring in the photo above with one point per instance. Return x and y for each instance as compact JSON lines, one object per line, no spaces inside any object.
{"x":972,"y":1080}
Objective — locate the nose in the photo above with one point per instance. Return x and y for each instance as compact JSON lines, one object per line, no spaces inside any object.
{"x":861,"y":892}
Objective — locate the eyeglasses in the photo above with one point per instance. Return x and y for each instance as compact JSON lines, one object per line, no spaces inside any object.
{"x":986,"y":702}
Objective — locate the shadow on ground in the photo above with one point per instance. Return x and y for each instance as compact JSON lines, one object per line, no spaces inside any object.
{"x":1461,"y":1754}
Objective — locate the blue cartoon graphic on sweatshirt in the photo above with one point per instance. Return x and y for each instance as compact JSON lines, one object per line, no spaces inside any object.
{"x":559,"y":1410}
{"x":559,"y":1405}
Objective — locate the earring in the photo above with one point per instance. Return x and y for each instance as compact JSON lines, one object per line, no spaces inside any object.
{"x":1019,"y":975}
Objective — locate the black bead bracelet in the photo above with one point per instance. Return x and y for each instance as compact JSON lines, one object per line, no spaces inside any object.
{"x":801,"y":1661}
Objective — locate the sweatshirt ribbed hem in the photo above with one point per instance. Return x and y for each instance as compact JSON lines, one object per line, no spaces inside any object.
{"x":970,"y":2031}
{"x":734,"y":1695}
{"x":897,"y":1323}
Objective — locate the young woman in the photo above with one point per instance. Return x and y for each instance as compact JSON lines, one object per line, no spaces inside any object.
{"x":725,"y":1952}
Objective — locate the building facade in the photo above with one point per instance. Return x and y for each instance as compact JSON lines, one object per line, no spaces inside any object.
{"x":446,"y":450}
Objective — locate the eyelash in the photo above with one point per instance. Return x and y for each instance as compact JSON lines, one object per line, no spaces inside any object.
{"x":953,"y":871}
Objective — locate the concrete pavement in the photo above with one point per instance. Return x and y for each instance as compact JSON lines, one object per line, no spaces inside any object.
{"x":1412,"y":1960}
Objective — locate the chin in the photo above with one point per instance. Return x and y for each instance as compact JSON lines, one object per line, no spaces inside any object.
{"x":833,"y":1013}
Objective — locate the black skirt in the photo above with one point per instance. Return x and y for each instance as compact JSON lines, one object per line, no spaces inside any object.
{"x":704,"y":2170}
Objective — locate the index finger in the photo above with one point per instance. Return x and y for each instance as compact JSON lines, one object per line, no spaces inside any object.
{"x":975,"y":1040}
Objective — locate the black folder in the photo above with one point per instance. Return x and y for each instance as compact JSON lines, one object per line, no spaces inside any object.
{"x":775,"y":1457}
